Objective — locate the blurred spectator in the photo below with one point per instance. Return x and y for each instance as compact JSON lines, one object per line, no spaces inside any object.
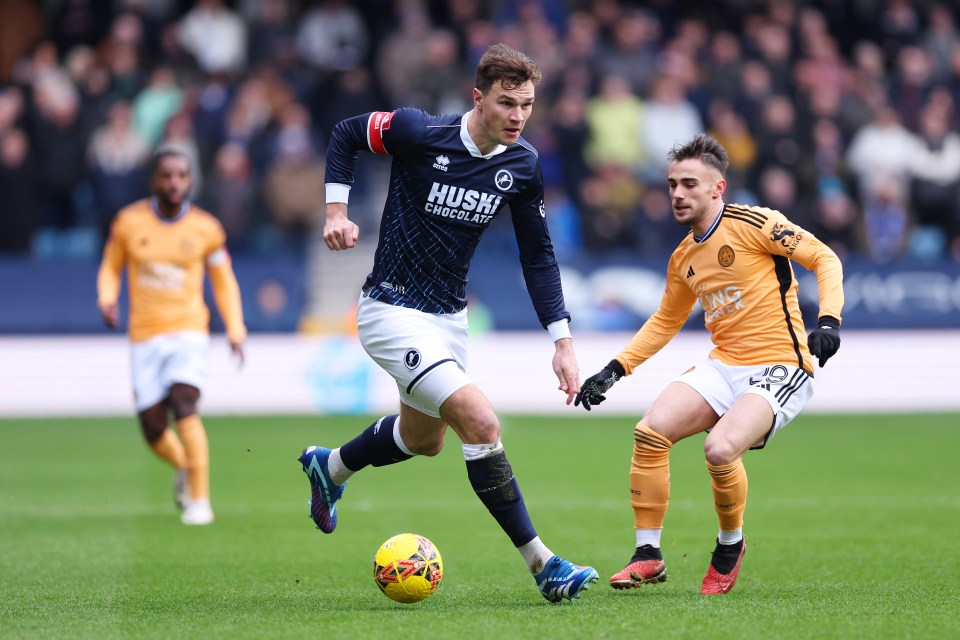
{"x":614,"y":117}
{"x":835,"y":220}
{"x":935,"y":182}
{"x":885,"y":219}
{"x":117,"y":158}
{"x":230,"y":192}
{"x":668,"y":118}
{"x":572,"y":134}
{"x":333,"y":36}
{"x":215,"y":35}
{"x":20,"y":186}
{"x":879,"y":151}
{"x":402,"y":53}
{"x":939,"y":40}
{"x":79,"y":22}
{"x":60,"y":133}
{"x":633,"y":49}
{"x":730,"y":129}
{"x":294,"y":183}
{"x":912,"y":84}
{"x":777,"y":138}
{"x":155,"y":104}
{"x":610,"y":209}
{"x":437,"y":87}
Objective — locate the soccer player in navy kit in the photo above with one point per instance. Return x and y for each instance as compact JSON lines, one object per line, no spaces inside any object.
{"x":451,"y":175}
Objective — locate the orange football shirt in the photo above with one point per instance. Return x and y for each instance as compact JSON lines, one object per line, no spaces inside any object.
{"x":741,"y":274}
{"x":166,"y":260}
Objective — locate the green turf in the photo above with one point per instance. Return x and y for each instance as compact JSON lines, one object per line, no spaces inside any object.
{"x":852,"y":529}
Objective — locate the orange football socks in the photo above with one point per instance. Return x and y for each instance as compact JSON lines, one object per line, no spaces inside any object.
{"x":649,"y":477}
{"x":729,"y":483}
{"x":198,"y":456}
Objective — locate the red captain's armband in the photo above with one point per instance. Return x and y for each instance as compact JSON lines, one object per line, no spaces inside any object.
{"x":378,"y":123}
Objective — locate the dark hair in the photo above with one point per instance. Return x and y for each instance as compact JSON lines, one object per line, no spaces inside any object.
{"x":168,"y":152}
{"x":510,"y":67}
{"x":705,"y":149}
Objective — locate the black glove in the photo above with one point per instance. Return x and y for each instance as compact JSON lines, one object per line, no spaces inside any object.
{"x":593,"y":388}
{"x":824,"y":341}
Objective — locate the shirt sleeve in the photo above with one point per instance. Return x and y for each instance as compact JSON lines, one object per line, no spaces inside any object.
{"x":781,"y":237}
{"x":111,"y":266}
{"x":226,"y":289}
{"x":380,"y":132}
{"x":675,"y":307}
{"x":541,"y":273}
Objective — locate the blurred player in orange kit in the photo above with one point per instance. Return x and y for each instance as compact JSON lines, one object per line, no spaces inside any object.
{"x":736,"y":261}
{"x":166,"y":244}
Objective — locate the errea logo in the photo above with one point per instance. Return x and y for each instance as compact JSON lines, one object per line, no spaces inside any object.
{"x":441,"y":163}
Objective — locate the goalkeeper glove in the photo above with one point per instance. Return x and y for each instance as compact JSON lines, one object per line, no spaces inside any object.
{"x":593,"y":388}
{"x":824,"y":341}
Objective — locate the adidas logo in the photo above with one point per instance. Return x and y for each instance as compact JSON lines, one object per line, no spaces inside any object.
{"x":690,"y":273}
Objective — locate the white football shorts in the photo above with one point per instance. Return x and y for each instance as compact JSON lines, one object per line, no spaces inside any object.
{"x":425,"y":353}
{"x":787,"y":389}
{"x":159,"y":362}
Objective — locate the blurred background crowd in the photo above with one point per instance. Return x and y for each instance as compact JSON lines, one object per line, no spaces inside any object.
{"x":843,"y":114}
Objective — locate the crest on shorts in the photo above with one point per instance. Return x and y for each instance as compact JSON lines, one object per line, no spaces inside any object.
{"x":726,"y":256}
{"x":412,"y":358}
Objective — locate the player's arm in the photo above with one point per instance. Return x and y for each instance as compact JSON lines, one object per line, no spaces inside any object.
{"x":226,"y":295}
{"x":109,"y":277}
{"x":541,"y":274}
{"x":807,"y":250}
{"x":675,"y":307}
{"x":374,"y":132}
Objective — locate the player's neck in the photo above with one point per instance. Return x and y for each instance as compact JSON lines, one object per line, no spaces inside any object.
{"x":707,"y":222}
{"x":477,"y":133}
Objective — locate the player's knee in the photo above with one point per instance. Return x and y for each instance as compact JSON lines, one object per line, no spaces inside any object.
{"x":183,"y":400}
{"x":719,"y":451}
{"x":483,"y":428}
{"x":152,"y":426}
{"x":429,"y":445}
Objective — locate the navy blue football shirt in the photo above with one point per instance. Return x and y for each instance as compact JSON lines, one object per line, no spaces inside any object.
{"x":443,"y":195}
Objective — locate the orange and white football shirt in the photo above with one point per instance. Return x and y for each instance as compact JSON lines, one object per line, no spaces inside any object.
{"x":166,"y":260}
{"x":741,"y":274}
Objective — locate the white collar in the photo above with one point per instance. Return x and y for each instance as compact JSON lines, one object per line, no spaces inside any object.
{"x":471,"y":145}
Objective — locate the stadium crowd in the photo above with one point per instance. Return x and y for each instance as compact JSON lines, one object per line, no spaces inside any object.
{"x":843,"y":114}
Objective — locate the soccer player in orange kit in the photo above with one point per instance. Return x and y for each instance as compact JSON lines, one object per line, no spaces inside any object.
{"x":166,"y":244}
{"x":736,"y":262}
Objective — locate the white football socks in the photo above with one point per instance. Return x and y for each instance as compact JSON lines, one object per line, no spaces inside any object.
{"x":535,"y":554}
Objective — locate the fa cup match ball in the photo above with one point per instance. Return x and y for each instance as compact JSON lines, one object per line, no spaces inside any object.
{"x":407,"y":568}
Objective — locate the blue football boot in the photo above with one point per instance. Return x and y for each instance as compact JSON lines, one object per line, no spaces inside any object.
{"x":324,"y":492}
{"x":561,"y":579}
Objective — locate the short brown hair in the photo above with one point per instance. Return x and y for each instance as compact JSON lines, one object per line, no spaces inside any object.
{"x":511,"y":68}
{"x":705,"y":149}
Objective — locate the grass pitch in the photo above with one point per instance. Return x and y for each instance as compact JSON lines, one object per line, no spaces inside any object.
{"x":852,"y":532}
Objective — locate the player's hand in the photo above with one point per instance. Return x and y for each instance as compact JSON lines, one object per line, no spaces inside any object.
{"x":824,"y":341}
{"x":338,"y":231}
{"x":236,"y":348}
{"x":591,"y":393}
{"x":566,"y":367}
{"x":111,"y":314}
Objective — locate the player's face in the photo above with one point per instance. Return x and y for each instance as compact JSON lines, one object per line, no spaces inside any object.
{"x":696,"y":190}
{"x":503,"y":113}
{"x":172,"y":181}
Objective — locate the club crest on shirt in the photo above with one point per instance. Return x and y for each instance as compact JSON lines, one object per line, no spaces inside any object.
{"x":412,"y":358}
{"x":726,"y":256}
{"x":786,"y":236}
{"x":503,"y":180}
